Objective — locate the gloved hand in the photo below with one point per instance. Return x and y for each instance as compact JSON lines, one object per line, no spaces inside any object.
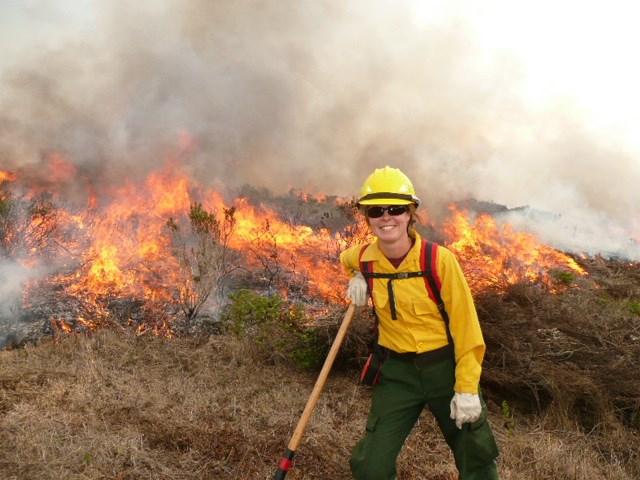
{"x":465,"y":408}
{"x":357,"y":290}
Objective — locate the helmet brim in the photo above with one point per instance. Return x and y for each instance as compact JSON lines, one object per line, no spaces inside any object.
{"x":388,"y":198}
{"x":386,"y":201}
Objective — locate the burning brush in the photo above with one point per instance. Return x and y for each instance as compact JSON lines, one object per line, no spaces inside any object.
{"x":144,"y":255}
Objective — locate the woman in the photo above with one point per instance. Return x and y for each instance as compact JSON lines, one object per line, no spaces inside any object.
{"x":430,"y":360}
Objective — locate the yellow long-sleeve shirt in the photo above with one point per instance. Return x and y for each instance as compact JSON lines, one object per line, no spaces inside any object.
{"x":419,"y":326}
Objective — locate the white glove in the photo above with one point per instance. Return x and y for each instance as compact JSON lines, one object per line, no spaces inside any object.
{"x":465,"y":408}
{"x":357,"y":290}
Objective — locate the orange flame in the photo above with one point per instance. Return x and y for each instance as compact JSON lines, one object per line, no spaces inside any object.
{"x":127,"y":252}
{"x":6,"y":176}
{"x":495,"y":256}
{"x":134,"y":242}
{"x":59,"y":168}
{"x":298,"y":249}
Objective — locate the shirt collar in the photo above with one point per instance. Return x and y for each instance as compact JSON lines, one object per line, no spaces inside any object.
{"x":374,"y":254}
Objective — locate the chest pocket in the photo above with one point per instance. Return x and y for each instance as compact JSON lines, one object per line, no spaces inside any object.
{"x":425,"y":307}
{"x":426,"y":315}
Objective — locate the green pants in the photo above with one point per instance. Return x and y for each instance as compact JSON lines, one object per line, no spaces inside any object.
{"x":398,"y":400}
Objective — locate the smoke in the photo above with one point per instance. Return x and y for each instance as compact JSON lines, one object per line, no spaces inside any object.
{"x":12,"y":279}
{"x":312,"y":95}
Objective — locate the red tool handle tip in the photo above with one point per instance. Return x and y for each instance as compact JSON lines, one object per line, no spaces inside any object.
{"x":284,"y":465}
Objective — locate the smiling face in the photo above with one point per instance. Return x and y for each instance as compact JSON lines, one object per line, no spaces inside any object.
{"x":391,"y":230}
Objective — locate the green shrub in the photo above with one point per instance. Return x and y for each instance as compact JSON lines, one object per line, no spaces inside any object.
{"x":634,"y":307}
{"x":274,"y":328}
{"x":562,"y":277}
{"x":507,"y":416}
{"x":635,"y":419}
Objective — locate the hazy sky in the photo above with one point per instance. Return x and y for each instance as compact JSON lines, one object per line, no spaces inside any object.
{"x":520,"y":103}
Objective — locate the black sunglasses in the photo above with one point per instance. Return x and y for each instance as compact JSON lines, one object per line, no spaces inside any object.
{"x":394,"y":210}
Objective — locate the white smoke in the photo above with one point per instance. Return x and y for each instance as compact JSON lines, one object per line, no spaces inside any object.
{"x":316,"y":94}
{"x":12,"y":279}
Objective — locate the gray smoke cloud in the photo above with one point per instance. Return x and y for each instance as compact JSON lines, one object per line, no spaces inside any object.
{"x":312,"y":95}
{"x":12,"y":279}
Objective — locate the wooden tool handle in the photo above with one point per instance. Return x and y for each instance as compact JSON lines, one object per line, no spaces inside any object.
{"x":322,"y":378}
{"x":285,"y":463}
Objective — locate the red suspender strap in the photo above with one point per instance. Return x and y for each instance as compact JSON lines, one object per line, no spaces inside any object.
{"x":433,"y":248}
{"x":367,"y":267}
{"x":429,"y":266}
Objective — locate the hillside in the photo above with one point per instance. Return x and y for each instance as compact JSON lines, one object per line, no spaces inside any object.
{"x":559,"y":379}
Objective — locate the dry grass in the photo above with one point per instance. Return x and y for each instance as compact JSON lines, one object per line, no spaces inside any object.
{"x":112,"y":405}
{"x":115,"y":406}
{"x":118,"y":406}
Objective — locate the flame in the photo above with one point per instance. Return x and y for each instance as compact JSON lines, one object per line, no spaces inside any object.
{"x":276,"y":246}
{"x":121,"y":248}
{"x":128,"y":253}
{"x":495,"y":256}
{"x":4,"y":175}
{"x":167,"y":241}
{"x":104,"y":270}
{"x":59,"y":169}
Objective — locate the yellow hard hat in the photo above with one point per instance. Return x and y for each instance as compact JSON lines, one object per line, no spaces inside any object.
{"x":387,"y":186}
